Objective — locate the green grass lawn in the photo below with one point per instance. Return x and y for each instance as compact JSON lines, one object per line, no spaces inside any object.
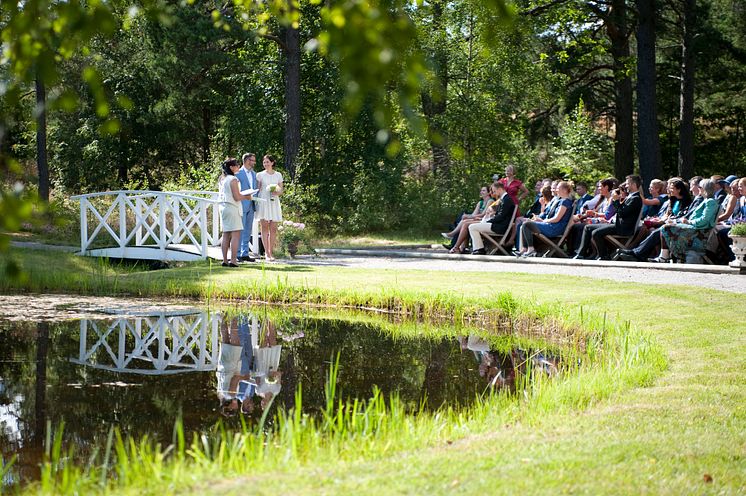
{"x":380,"y":240}
{"x":685,"y":427}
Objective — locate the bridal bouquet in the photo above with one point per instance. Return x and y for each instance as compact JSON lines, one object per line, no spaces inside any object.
{"x":271,"y":189}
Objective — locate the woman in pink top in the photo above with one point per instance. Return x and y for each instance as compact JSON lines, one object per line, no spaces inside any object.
{"x":513,"y":186}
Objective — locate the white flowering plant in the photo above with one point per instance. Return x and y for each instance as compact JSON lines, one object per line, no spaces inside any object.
{"x":292,"y":235}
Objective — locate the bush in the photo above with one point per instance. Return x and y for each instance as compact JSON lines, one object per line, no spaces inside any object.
{"x":738,"y":229}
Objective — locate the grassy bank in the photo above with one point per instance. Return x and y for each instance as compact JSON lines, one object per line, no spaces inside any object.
{"x":596,"y":432}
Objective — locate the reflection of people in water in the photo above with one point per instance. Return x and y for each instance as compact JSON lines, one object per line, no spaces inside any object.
{"x":500,"y":368}
{"x":234,"y":364}
{"x":265,"y":372}
{"x":248,"y":364}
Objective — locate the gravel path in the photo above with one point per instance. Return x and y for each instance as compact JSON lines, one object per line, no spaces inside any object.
{"x":706,"y":276}
{"x":624,"y":272}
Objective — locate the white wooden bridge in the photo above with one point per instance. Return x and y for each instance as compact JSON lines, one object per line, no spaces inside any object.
{"x":152,"y":225}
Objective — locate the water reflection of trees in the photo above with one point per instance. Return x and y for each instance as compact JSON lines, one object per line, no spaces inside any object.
{"x":140,"y":376}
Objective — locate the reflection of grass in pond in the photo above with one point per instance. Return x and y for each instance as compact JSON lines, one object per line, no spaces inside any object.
{"x":629,"y":440}
{"x":371,"y":429}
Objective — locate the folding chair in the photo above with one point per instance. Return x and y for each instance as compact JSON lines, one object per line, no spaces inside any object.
{"x":500,"y":241}
{"x":555,"y":247}
{"x":625,"y":242}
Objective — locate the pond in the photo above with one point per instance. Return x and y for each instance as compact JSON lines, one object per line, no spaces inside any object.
{"x":141,"y":373}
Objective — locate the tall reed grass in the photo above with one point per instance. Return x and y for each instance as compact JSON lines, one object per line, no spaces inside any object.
{"x":613,"y":357}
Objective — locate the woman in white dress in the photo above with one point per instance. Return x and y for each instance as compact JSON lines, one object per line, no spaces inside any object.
{"x":230,"y":211}
{"x":269,"y":211}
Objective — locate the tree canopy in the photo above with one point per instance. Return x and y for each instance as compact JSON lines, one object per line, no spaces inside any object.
{"x":415,"y":102}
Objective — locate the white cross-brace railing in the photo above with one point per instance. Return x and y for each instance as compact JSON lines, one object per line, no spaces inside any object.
{"x":143,"y":219}
{"x":168,"y":343}
{"x":138,"y":221}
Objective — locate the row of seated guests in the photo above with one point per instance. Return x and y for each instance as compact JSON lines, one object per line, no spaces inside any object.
{"x":695,"y":216}
{"x":677,"y":217}
{"x":496,"y":217}
{"x":549,"y":215}
{"x":510,"y":184}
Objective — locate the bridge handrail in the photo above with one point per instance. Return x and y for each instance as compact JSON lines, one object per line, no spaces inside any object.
{"x":188,"y":195}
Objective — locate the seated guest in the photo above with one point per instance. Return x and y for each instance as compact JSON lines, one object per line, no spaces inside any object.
{"x":547,"y":203}
{"x":593,"y":202}
{"x":719,"y":192}
{"x":679,"y":201}
{"x":728,"y":205}
{"x":581,"y":189}
{"x":627,"y":215}
{"x":476,"y":215}
{"x":498,"y":224}
{"x":658,"y":196}
{"x":592,"y":219}
{"x":536,"y":206}
{"x":545,"y":199}
{"x":679,"y":237}
{"x":738,"y":188}
{"x":551,"y":227}
{"x":741,"y":208}
{"x":461,"y":242}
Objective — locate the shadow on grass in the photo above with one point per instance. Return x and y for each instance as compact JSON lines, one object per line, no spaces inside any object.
{"x":262,"y":267}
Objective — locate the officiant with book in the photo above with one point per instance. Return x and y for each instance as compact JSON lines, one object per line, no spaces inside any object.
{"x":231,"y":211}
{"x":247,"y":178}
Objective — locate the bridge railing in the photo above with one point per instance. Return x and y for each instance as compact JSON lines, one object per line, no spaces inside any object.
{"x":149,"y":219}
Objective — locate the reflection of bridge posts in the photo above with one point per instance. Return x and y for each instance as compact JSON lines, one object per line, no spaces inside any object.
{"x":171,"y":342}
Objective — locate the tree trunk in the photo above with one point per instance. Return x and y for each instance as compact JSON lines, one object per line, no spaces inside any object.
{"x":434,"y":101}
{"x":648,"y":146}
{"x":206,"y":131}
{"x":40,"y":398}
{"x":41,"y":139}
{"x":292,"y":98}
{"x":686,"y":99}
{"x":123,"y":165}
{"x":434,"y":384}
{"x":616,"y":28}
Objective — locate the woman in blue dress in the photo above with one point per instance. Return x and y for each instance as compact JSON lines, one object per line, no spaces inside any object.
{"x":552,"y":226}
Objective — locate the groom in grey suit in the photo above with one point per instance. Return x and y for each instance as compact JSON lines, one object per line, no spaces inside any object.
{"x":247,"y":179}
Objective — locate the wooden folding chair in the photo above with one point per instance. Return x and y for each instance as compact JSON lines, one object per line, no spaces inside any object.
{"x":555,"y":244}
{"x":500,"y":241}
{"x":625,"y":242}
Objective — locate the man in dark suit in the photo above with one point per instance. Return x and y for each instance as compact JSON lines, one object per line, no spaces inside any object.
{"x":581,"y":189}
{"x":627,"y":215}
{"x":504,"y":213}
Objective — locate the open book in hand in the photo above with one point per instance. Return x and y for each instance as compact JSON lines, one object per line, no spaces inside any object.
{"x":250,"y":192}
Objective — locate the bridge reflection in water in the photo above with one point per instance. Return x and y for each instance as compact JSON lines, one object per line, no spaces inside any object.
{"x":154,"y":344}
{"x":141,"y":373}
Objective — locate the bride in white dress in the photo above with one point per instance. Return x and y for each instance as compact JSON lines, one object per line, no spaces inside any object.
{"x":269,"y":212}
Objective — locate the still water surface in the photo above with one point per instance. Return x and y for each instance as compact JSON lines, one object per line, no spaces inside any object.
{"x":141,"y":373}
